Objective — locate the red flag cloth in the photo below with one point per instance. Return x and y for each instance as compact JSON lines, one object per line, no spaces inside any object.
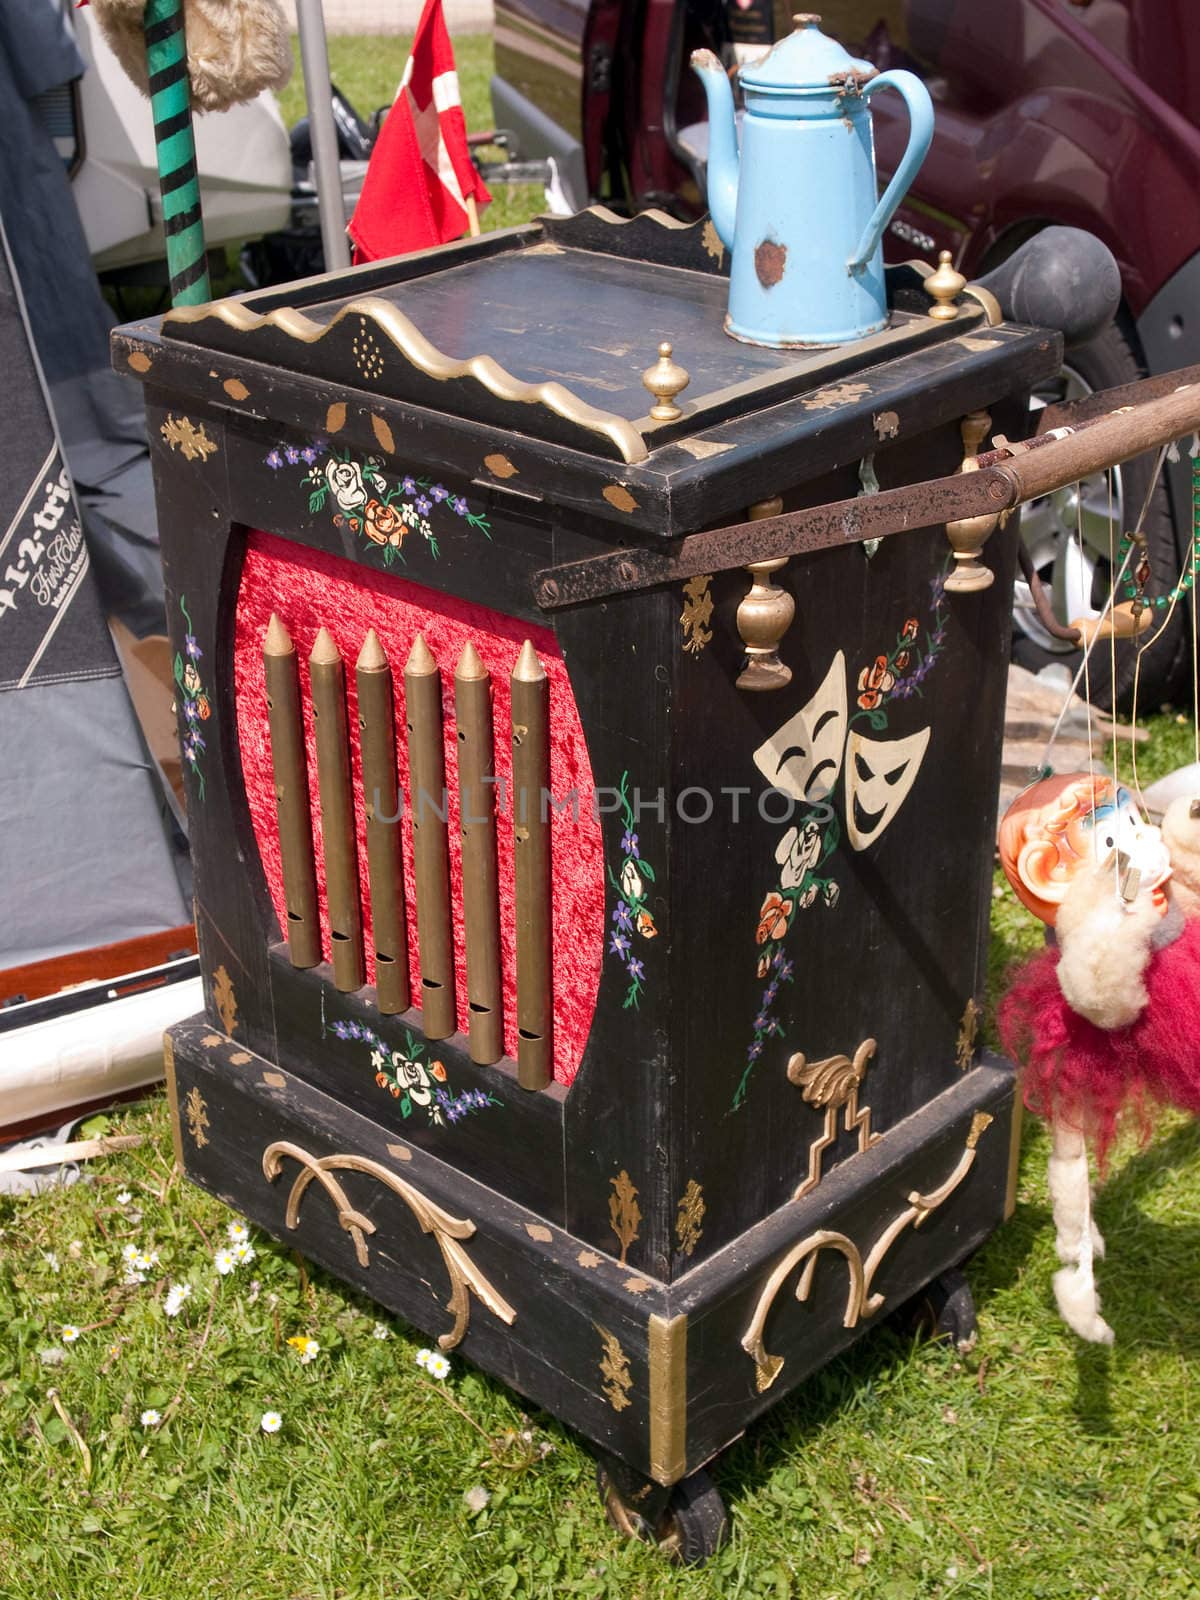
{"x":420,"y":175}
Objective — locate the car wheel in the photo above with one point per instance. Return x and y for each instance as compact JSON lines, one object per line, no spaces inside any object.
{"x":1068,"y":537}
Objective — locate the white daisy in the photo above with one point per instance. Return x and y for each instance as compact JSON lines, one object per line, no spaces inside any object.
{"x":124,"y":1197}
{"x":243,"y":1252}
{"x":309,"y":1351}
{"x":224,"y":1262}
{"x":176,"y":1295}
{"x":151,"y":1418}
{"x":271,"y":1422}
{"x":69,"y":1333}
{"x":437,"y":1366}
{"x":424,"y":1357}
{"x":238,"y":1232}
{"x":129,"y":1253}
{"x":380,"y":1331}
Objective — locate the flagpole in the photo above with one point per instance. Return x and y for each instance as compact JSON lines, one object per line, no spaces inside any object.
{"x":327,"y":172}
{"x":473,"y":216}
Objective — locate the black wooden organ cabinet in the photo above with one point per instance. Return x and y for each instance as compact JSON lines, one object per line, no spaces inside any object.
{"x":591,"y":962}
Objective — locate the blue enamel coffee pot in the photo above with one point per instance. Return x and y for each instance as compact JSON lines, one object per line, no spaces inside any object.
{"x":798,"y":211}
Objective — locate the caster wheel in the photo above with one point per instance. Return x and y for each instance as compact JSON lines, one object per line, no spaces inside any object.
{"x":945,"y":1309}
{"x":690,"y":1527}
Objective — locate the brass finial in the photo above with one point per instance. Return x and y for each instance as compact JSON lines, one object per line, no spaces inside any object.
{"x":967,"y":535}
{"x":807,"y":19}
{"x":764,"y":616}
{"x":943,"y":287}
{"x":665,"y":379}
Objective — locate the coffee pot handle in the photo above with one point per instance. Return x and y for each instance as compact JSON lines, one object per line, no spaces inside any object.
{"x":920,"y":116}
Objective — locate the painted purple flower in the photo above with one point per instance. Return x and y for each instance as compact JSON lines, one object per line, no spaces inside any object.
{"x":409,"y":486}
{"x":786,"y":968}
{"x":636,"y":970}
{"x":460,"y":506}
{"x":274,"y":460}
{"x":761,"y":1021}
{"x":423,"y":505}
{"x":440,"y":492}
{"x":309,"y":454}
{"x":442,"y":1098}
{"x":619,"y":945}
{"x":629,"y":842}
{"x":455,"y":1112}
{"x":189,"y":750}
{"x":480,"y":1099}
{"x":292,"y":454}
{"x":755,"y":1050}
{"x":770,"y":992}
{"x":191,"y":711}
{"x":341,"y":1030}
{"x":355,"y":1030}
{"x":198,"y":741}
{"x":621,"y":915}
{"x":192,"y":648}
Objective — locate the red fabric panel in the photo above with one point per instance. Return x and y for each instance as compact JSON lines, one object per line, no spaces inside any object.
{"x":309,"y":589}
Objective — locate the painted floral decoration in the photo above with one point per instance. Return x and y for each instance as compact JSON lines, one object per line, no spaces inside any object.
{"x":418,"y":1083}
{"x":195,"y":708}
{"x":804,"y":851}
{"x":631,"y":917}
{"x":385,"y":512}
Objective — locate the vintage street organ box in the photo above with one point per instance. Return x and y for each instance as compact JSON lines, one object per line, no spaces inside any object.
{"x":592,"y":941}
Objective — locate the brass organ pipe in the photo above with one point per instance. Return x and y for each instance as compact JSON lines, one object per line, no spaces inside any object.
{"x":385,"y":860}
{"x":289,"y":765}
{"x":481,"y":887}
{"x":431,"y":863}
{"x":327,"y":675}
{"x":531,"y":867}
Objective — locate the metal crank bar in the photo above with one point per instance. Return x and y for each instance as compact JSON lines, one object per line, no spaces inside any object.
{"x":1099,"y":432}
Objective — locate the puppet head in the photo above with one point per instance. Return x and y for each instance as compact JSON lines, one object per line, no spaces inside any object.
{"x":1074,"y":820}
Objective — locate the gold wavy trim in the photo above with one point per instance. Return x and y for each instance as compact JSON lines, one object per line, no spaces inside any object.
{"x":860,"y":1302}
{"x":416,"y":348}
{"x":448,"y":1231}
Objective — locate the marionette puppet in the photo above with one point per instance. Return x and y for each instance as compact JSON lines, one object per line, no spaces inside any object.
{"x":235,"y":48}
{"x":1108,"y":1021}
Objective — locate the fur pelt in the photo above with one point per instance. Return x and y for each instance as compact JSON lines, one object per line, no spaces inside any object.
{"x":235,"y":48}
{"x":1106,"y":945}
{"x":1181,"y":835}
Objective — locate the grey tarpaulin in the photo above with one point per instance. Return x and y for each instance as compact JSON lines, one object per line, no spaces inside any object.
{"x":99,"y":415}
{"x":84,"y":856}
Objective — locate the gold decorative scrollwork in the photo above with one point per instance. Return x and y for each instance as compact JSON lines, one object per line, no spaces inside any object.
{"x":697,"y":613}
{"x":624,"y":1213}
{"x":829,"y":1085}
{"x":690,"y":1220}
{"x":448,"y":1231}
{"x":224,"y":999}
{"x":182,"y":434}
{"x":195,"y":1109}
{"x":614,"y":1369}
{"x":860,"y":1302}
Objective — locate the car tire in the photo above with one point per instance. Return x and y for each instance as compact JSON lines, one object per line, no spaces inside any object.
{"x":1078,"y":581}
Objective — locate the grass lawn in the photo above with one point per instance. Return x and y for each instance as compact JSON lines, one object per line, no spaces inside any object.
{"x":1037,"y":1466}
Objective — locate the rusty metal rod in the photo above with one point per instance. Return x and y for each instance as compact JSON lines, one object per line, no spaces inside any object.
{"x":281,"y":665}
{"x":480,"y":876}
{"x":327,"y":676}
{"x":530,"y":689}
{"x":429,"y":809}
{"x":1098,"y":443}
{"x":385,"y":860}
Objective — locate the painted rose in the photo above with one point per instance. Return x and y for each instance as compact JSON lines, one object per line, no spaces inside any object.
{"x":191,"y":679}
{"x":438,"y":1071}
{"x":764,"y":965}
{"x":645,"y":925}
{"x":346,"y":484}
{"x":631,"y":882}
{"x":910,"y":629}
{"x":773,"y":918}
{"x":381,"y":524}
{"x":412,"y":1076}
{"x":797,"y":854}
{"x":203,"y":708}
{"x":874,"y":682}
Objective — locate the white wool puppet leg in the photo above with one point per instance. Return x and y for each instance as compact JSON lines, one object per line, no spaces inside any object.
{"x":1070,"y":1191}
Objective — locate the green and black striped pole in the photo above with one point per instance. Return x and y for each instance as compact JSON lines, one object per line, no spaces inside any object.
{"x":178,"y":179}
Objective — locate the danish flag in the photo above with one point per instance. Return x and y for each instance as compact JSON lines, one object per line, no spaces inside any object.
{"x":420,"y":175}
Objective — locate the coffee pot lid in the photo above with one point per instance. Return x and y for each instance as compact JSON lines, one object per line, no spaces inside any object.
{"x":806,"y":60}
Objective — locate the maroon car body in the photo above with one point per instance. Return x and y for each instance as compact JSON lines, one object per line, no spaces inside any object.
{"x":1078,"y":112}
